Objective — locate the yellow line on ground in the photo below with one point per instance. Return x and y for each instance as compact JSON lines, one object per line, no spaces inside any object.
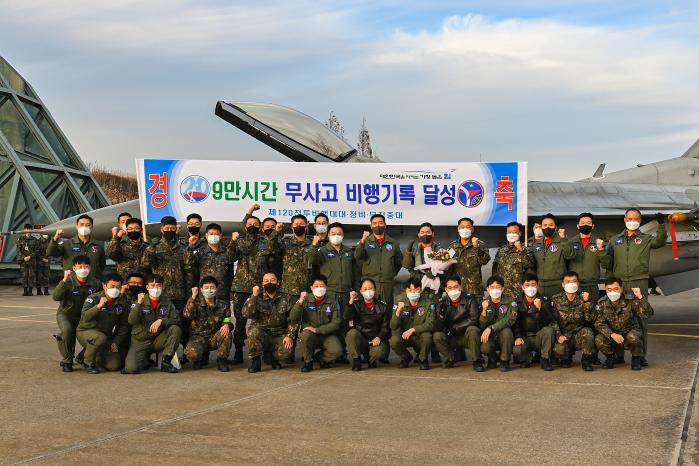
{"x":9,"y":306}
{"x":30,"y":315}
{"x":5,"y":319}
{"x":673,"y":335}
{"x":677,"y":325}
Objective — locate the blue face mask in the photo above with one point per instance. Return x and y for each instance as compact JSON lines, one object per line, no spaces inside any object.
{"x":413,"y":295}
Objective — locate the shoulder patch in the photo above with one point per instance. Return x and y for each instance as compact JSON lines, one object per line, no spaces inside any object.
{"x":90,"y":300}
{"x":389,"y":247}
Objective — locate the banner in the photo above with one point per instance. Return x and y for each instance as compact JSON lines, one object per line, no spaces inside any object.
{"x":405,"y":193}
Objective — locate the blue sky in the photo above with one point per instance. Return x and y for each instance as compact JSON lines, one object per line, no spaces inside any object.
{"x":563,"y":84}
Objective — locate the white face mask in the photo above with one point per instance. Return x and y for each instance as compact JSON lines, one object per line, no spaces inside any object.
{"x":336,"y":240}
{"x":368,"y":294}
{"x":633,"y":225}
{"x":208,"y":293}
{"x":613,"y":296}
{"x":213,"y":239}
{"x":319,"y":292}
{"x":531,"y":291}
{"x":495,"y":293}
{"x":155,"y":292}
{"x":82,"y":273}
{"x":538,"y":232}
{"x":113,"y":292}
{"x":512,"y":237}
{"x":465,"y":232}
{"x":413,"y":295}
{"x":321,"y":229}
{"x":454,"y":294}
{"x":84,"y":231}
{"x":571,"y":288}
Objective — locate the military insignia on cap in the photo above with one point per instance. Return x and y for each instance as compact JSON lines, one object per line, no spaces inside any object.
{"x":637,"y":240}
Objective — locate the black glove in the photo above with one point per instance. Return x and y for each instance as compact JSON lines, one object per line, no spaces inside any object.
{"x":660,"y":218}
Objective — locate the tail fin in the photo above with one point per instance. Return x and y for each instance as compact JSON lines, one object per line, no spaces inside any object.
{"x":693,"y":151}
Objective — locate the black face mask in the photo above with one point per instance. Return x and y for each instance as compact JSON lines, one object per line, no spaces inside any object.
{"x":549,"y":232}
{"x":379,"y":230}
{"x":133,"y":235}
{"x":137,"y":289}
{"x":298,"y":231}
{"x":194,"y":230}
{"x":270,"y":287}
{"x":427,"y":239}
{"x":253,"y":230}
{"x":169,"y":235}
{"x":585,"y":229}
{"x":268,"y":231}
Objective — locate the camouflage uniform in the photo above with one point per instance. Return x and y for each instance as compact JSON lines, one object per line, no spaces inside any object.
{"x":143,"y":342}
{"x":469,"y":261}
{"x":622,"y":318}
{"x":422,"y":320}
{"x":166,"y":258}
{"x":294,"y":255}
{"x":501,"y":318}
{"x":67,"y":249}
{"x":128,"y":255}
{"x":100,"y":327}
{"x":27,"y":246}
{"x":43,"y":265}
{"x":325,"y":317}
{"x":204,"y":261}
{"x":269,"y":324}
{"x":205,"y":332}
{"x":511,"y":265}
{"x":570,"y":319}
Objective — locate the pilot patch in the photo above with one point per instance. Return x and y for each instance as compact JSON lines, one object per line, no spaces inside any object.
{"x":593,"y":248}
{"x":576,"y":246}
{"x":389,"y":247}
{"x":619,"y":241}
{"x":118,"y":309}
{"x":553,"y":248}
{"x":371,"y":246}
{"x":95,"y":249}
{"x":164,"y":310}
{"x":537,"y":248}
{"x":331,"y":255}
{"x":421,"y":311}
{"x":75,"y":249}
{"x":328,"y":309}
{"x":502,"y":309}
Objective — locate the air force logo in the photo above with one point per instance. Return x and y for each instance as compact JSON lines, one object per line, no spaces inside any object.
{"x":470,"y":193}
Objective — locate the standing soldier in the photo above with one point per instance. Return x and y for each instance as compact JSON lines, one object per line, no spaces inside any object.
{"x":294,"y":252}
{"x":27,"y":249}
{"x":412,"y":324}
{"x":628,"y":258}
{"x":81,"y":244}
{"x":319,"y":319}
{"x":43,"y":266}
{"x":617,"y":322}
{"x":211,"y":260}
{"x":535,"y":329}
{"x":413,"y":258}
{"x":589,"y":251}
{"x":513,"y":259}
{"x":71,"y":293}
{"x":380,"y":259}
{"x":470,"y":255}
{"x":271,"y":335}
{"x":194,"y":236}
{"x":368,"y":334}
{"x":498,"y":316}
{"x":128,"y":248}
{"x":572,"y":311}
{"x":551,"y":253}
{"x":210,"y":317}
{"x":104,"y":326}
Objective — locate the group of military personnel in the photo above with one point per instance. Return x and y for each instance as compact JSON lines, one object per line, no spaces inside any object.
{"x":275,"y":292}
{"x":34,"y":265}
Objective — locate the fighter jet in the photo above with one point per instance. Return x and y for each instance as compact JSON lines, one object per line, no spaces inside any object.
{"x":669,"y":186}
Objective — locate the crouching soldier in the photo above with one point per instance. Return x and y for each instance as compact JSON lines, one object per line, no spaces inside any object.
{"x":534,"y":330}
{"x":270,"y":334}
{"x":617,"y":323}
{"x":456,"y":325}
{"x":320,"y":322}
{"x":72,"y":292}
{"x":210,"y":317}
{"x":368,"y":321}
{"x":571,"y":312}
{"x":104,"y":326}
{"x":498,"y":316}
{"x":155,"y":322}
{"x":412,"y":324}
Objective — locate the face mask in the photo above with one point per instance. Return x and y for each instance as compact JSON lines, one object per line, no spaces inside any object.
{"x":633,"y":225}
{"x":368,"y":294}
{"x":298,"y":231}
{"x":268,"y":231}
{"x":84,"y":231}
{"x":549,"y":232}
{"x":82,"y":273}
{"x":495,"y":293}
{"x":570,"y":288}
{"x":613,"y":296}
{"x":321,"y":229}
{"x":465,"y":232}
{"x":37,"y":236}
{"x":155,"y":292}
{"x":379,"y":230}
{"x":585,"y":229}
{"x":454,"y":294}
{"x":113,"y":292}
{"x":253,"y":230}
{"x":531,"y":291}
{"x":169,"y":235}
{"x":137,"y":289}
{"x":413,"y":295}
{"x":134,"y":235}
{"x":319,"y":292}
{"x":427,"y":239}
{"x":270,"y":287}
{"x":213,"y":239}
{"x":209,"y":293}
{"x":194,"y":230}
{"x":512,"y":237}
{"x":336,"y":240}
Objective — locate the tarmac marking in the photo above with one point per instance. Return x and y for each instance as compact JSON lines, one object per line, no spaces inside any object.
{"x":677,"y":325}
{"x":162,"y":422}
{"x":30,"y":315}
{"x":9,"y":306}
{"x":682,"y":335}
{"x":10,"y":319}
{"x":677,"y":457}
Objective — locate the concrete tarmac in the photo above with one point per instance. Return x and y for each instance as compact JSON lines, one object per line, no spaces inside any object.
{"x":385,"y":415}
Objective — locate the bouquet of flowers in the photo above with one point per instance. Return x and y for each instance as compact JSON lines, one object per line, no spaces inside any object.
{"x":436,"y":263}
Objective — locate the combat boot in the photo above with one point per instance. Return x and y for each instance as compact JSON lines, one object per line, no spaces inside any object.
{"x":505,"y":366}
{"x":546,"y":364}
{"x":26,"y":291}
{"x":276,"y":364}
{"x":404,"y":363}
{"x":492,"y":363}
{"x":460,"y":355}
{"x":567,"y":362}
{"x":587,"y":363}
{"x":356,"y":364}
{"x":436,"y":357}
{"x":166,"y":365}
{"x":478,"y":366}
{"x":222,"y":364}
{"x":644,"y":362}
{"x":255,"y":365}
{"x":67,"y":366}
{"x":636,"y":363}
{"x":307,"y":367}
{"x":38,"y":291}
{"x":448,"y":364}
{"x":93,"y":369}
{"x":46,"y":291}
{"x":238,"y":356}
{"x":80,"y":358}
{"x":619,"y":358}
{"x":424,"y":365}
{"x":608,"y":362}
